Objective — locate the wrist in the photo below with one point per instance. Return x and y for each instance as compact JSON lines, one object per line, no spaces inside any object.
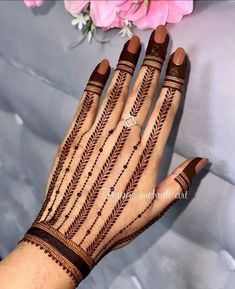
{"x":64,"y":252}
{"x":32,"y":268}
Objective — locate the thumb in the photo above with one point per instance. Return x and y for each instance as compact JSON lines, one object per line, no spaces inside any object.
{"x":177,"y":183}
{"x":167,"y":193}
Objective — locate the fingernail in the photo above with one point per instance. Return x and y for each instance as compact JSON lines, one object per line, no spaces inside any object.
{"x":129,"y":55}
{"x":177,"y":68}
{"x":194,"y":167}
{"x":185,"y":178}
{"x":178,"y":56}
{"x":157,"y":47}
{"x":103,"y":66}
{"x":99,"y":75}
{"x":201,"y":164}
{"x":134,"y":44}
{"x":160,"y":34}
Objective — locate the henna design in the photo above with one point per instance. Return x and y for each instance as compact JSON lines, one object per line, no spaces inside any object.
{"x":143,"y":91}
{"x":87,"y":103}
{"x":175,"y":74}
{"x":184,"y":179}
{"x":187,"y":174}
{"x":142,"y":164}
{"x":127,"y":60}
{"x":132,"y":236}
{"x":112,"y":188}
{"x":61,"y":182}
{"x":126,"y":227}
{"x":81,"y":191}
{"x":115,"y":93}
{"x":173,"y":82}
{"x":69,"y":243}
{"x":141,"y":95}
{"x":177,"y":71}
{"x":102,"y":177}
{"x":155,"y":53}
{"x":126,"y":66}
{"x":157,"y":49}
{"x":64,"y":252}
{"x":59,"y":259}
{"x":153,"y":61}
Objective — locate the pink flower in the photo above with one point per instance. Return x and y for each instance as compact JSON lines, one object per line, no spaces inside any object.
{"x":113,"y":13}
{"x":33,"y":3}
{"x":104,"y":13}
{"x":158,"y":12}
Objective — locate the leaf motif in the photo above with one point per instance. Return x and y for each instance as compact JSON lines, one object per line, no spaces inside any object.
{"x":143,"y":91}
{"x":134,"y":180}
{"x":86,"y":105}
{"x":101,"y":178}
{"x":91,"y":143}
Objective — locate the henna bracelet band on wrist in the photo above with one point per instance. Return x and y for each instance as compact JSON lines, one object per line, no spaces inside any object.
{"x":66,"y":253}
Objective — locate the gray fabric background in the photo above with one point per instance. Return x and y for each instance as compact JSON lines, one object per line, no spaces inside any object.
{"x":193,"y":246}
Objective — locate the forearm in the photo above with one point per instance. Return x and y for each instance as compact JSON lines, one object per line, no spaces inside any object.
{"x":30,"y":268}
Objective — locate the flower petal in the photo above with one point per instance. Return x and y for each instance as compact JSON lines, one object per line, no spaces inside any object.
{"x":103,"y":12}
{"x":156,"y":14}
{"x":177,"y":9}
{"x":75,"y":7}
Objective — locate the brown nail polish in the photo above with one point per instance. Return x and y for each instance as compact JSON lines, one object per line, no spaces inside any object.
{"x":133,"y":44}
{"x":190,"y":169}
{"x":157,"y":48}
{"x":98,"y":77}
{"x":178,"y":56}
{"x":160,"y":34}
{"x":176,"y":70}
{"x":201,"y":164}
{"x":103,"y":67}
{"x":129,"y":55}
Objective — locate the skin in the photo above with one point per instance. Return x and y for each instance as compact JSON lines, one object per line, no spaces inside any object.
{"x":30,"y":268}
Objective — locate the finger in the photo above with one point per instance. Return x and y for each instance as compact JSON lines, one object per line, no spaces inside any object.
{"x":87,"y":108}
{"x":140,"y":99}
{"x":161,"y":120}
{"x":92,"y":93}
{"x":166,"y":194}
{"x":112,"y":105}
{"x":177,"y":183}
{"x":81,"y":123}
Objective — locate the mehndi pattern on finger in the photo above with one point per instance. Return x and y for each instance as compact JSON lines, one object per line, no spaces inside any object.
{"x":90,"y":93}
{"x":184,"y":179}
{"x":175,"y":74}
{"x":75,"y":226}
{"x":141,"y":95}
{"x":109,"y":243}
{"x":156,"y":52}
{"x":68,"y":194}
{"x":134,"y":180}
{"x":99,"y":182}
{"x":92,"y":141}
{"x":143,"y":91}
{"x":129,"y":56}
{"x":111,"y":190}
{"x":86,"y":105}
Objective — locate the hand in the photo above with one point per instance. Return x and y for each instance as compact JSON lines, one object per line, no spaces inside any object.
{"x":101,"y":192}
